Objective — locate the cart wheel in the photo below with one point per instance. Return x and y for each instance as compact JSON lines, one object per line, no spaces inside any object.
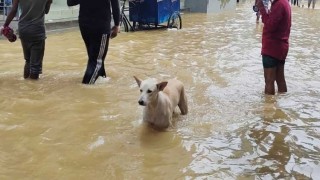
{"x":123,"y":25}
{"x":175,"y":21}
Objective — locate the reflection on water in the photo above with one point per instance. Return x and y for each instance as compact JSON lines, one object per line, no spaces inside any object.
{"x":271,"y":139}
{"x":57,"y":128}
{"x":224,"y":3}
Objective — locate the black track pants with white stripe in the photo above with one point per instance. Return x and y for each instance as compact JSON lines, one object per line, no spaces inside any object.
{"x":97,"y":47}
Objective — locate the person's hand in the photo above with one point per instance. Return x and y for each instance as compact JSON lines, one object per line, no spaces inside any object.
{"x":114,"y":31}
{"x":8,"y":33}
{"x":1,"y":30}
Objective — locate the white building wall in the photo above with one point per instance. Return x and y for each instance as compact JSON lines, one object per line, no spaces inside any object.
{"x":61,"y":12}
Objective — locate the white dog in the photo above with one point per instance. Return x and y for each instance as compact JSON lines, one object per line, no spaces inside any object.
{"x":160,"y":101}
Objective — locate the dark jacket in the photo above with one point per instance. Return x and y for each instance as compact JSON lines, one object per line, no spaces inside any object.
{"x":276,"y":30}
{"x":96,"y":14}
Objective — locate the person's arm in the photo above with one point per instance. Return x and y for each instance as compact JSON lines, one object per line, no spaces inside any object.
{"x":12,"y":13}
{"x":271,"y":19}
{"x":73,"y":2}
{"x":116,"y":17}
{"x":115,"y":12}
{"x":48,"y":5}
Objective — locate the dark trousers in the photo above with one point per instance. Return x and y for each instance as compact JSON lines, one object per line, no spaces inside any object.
{"x":33,"y":52}
{"x":97,"y":47}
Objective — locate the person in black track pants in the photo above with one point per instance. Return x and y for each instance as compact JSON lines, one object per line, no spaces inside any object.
{"x":95,"y":26}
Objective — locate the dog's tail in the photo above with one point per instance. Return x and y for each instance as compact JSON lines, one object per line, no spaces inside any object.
{"x":183,"y":102}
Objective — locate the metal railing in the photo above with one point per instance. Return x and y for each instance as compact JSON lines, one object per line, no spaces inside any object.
{"x":5,"y":10}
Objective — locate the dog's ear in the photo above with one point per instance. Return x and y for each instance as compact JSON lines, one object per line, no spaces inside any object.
{"x":162,"y":85}
{"x":137,"y":80}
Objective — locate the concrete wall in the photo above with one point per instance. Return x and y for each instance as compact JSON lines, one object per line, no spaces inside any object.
{"x":61,"y":12}
{"x":209,"y":6}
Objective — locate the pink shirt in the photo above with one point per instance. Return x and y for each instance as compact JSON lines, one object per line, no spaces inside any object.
{"x":276,"y":30}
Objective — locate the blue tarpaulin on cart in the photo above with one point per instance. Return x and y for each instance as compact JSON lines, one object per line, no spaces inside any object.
{"x":152,"y":11}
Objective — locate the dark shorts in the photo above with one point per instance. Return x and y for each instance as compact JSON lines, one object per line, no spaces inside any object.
{"x":270,"y":62}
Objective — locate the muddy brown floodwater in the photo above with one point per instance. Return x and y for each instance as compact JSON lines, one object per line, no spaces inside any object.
{"x":57,"y":128}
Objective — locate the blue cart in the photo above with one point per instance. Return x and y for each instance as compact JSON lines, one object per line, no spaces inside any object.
{"x":155,"y":13}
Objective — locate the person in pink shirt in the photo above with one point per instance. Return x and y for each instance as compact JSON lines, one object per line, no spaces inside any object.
{"x":275,"y":43}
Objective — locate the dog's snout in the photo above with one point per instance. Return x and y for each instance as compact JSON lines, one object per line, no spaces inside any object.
{"x":141,"y":102}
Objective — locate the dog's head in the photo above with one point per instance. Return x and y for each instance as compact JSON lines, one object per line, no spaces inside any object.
{"x":149,"y":90}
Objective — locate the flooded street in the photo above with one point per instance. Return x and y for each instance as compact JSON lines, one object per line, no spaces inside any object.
{"x":57,"y":128}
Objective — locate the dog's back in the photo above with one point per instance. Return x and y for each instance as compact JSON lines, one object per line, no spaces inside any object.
{"x":175,"y":91}
{"x":173,"y":95}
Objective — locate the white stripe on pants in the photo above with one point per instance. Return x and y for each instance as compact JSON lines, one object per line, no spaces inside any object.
{"x":99,"y":58}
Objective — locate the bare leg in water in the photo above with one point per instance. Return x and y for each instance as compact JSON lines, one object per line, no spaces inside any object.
{"x":275,"y":74}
